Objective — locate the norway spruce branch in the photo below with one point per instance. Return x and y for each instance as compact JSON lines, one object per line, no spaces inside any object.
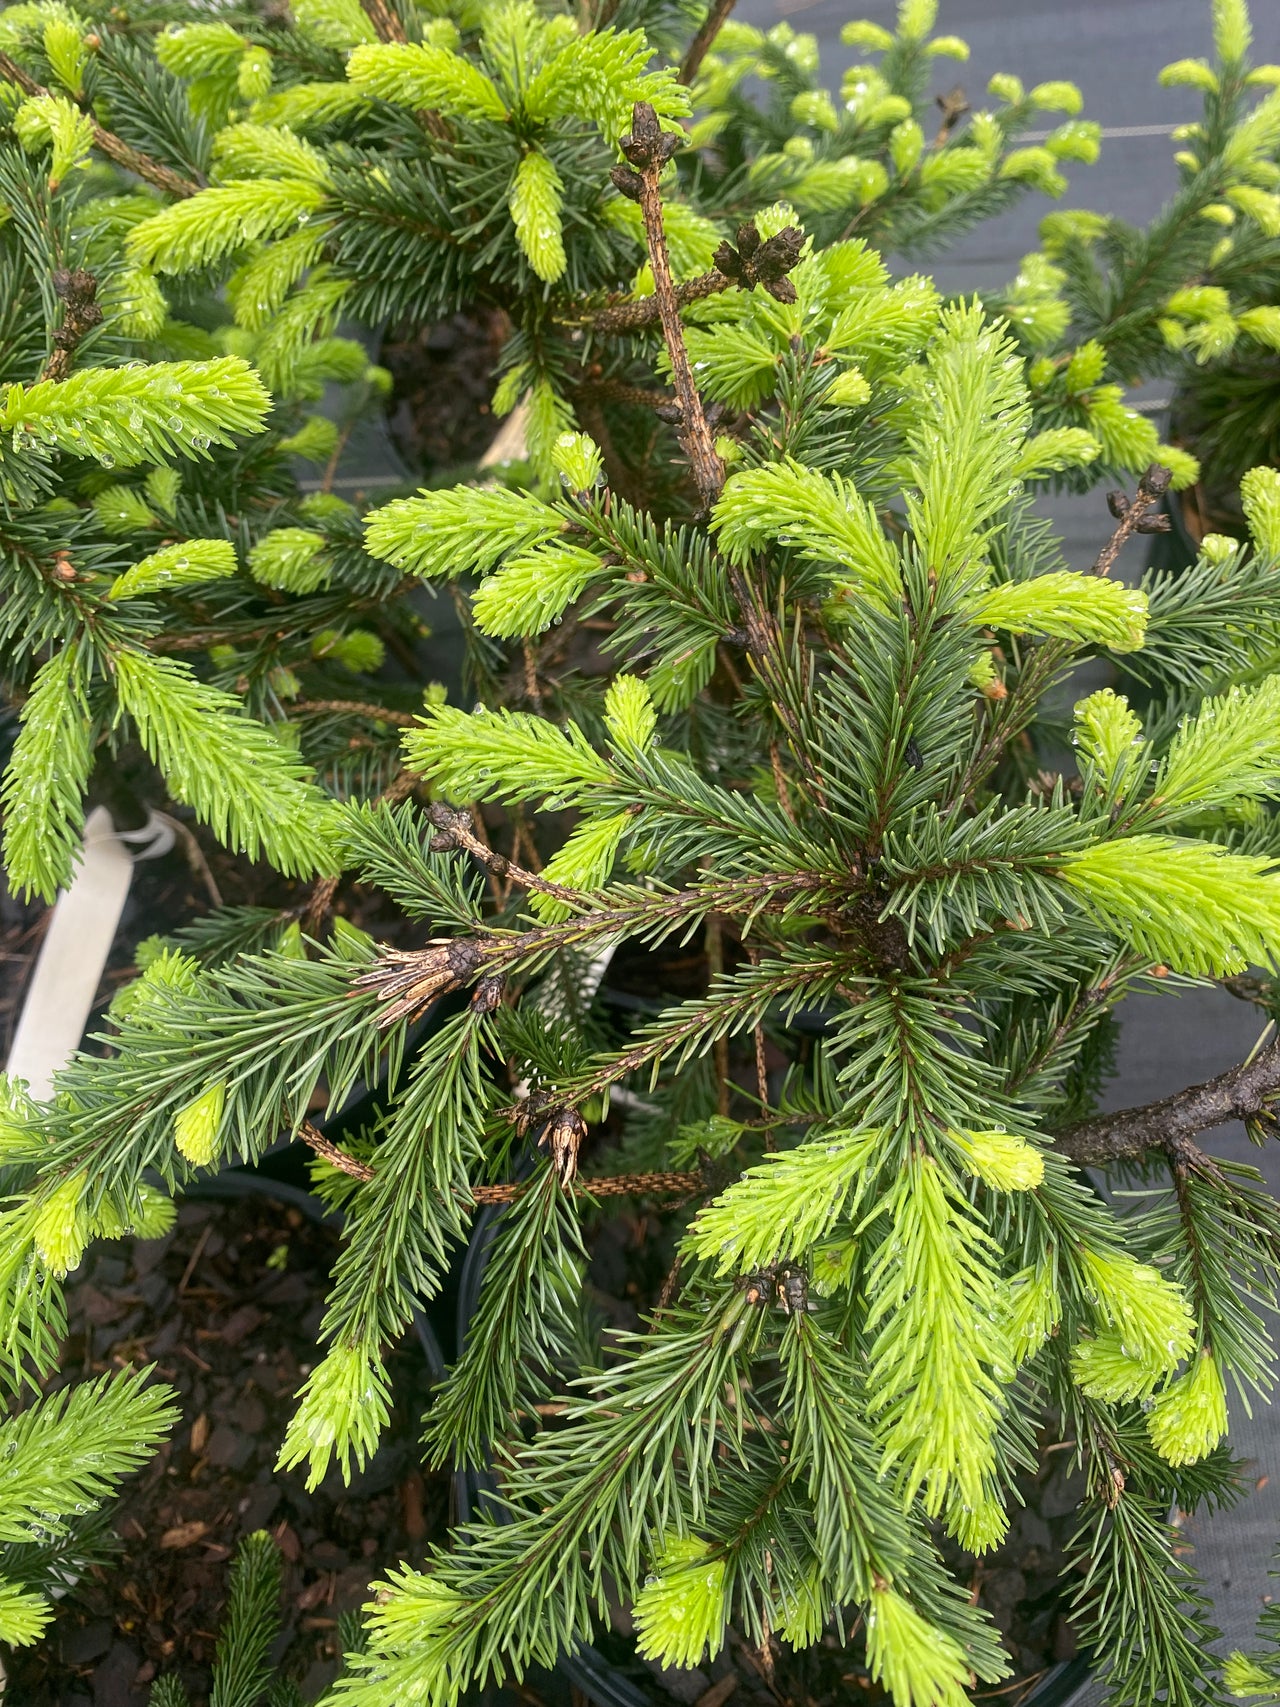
{"x":116,"y":150}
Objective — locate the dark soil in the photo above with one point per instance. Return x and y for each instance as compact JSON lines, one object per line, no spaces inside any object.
{"x":228,"y":1308}
{"x":443,"y":383}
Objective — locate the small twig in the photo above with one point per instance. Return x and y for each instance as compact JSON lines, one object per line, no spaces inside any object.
{"x":780,"y":781}
{"x":454,"y":830}
{"x":648,"y":148}
{"x":765,"y":1124}
{"x":532,"y":691}
{"x":644,"y":310}
{"x":1132,"y":516}
{"x":330,"y":1153}
{"x":597,"y":391}
{"x":1245,"y":987}
{"x":354,"y":708}
{"x":195,"y":1256}
{"x":195,"y":857}
{"x":608,"y":1185}
{"x":106,"y":142}
{"x":335,"y":457}
{"x":319,"y":903}
{"x":671,"y":1284}
{"x":384,"y":20}
{"x":762,"y":1085}
{"x":953,"y":105}
{"x":389,"y":28}
{"x":700,"y":46}
{"x":720,"y":1048}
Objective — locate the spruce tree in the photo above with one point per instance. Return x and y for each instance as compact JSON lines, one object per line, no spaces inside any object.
{"x":792,"y":499}
{"x":1192,"y":295}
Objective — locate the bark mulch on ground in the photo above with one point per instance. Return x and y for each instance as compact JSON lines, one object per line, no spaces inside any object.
{"x":227,"y":1307}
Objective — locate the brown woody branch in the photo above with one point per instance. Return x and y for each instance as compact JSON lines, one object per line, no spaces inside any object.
{"x":319,"y":903}
{"x":648,"y":148}
{"x":330,"y":1153}
{"x":354,"y":708}
{"x":619,"y":391}
{"x":1172,"y":1124}
{"x":700,"y":46}
{"x":81,"y":313}
{"x":645,"y":310}
{"x":388,"y":27}
{"x":1169,"y":1126}
{"x":385,"y":21}
{"x":1133,"y":515}
{"x":756,"y":261}
{"x":108,"y":143}
{"x":454,"y":831}
{"x":609,"y":1185}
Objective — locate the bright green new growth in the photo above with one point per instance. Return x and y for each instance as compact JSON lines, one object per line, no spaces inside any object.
{"x":680,"y":1613}
{"x":1188,"y":905}
{"x":183,"y":565}
{"x":784,"y":730}
{"x":59,"y":1458}
{"x":138,"y":415}
{"x":251,"y":790}
{"x":535,"y":209}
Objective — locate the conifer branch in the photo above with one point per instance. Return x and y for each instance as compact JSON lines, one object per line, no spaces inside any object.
{"x":1172,"y":1124}
{"x":106,"y":142}
{"x":406,"y":981}
{"x":648,"y":148}
{"x":701,"y":44}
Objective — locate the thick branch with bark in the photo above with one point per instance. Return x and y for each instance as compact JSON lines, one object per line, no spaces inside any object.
{"x":644,"y":311}
{"x":328,"y":1151}
{"x":1173,"y":1124}
{"x":701,"y":44}
{"x":453,"y":830}
{"x":385,"y":20}
{"x":608,"y":1185}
